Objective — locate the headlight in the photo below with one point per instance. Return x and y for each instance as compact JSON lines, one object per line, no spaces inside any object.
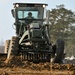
{"x":44,"y":6}
{"x":17,"y":5}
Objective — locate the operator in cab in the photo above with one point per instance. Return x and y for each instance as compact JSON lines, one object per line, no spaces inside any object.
{"x":29,"y":16}
{"x":28,"y":19}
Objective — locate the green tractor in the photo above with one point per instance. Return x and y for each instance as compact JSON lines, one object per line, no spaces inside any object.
{"x":32,"y":40}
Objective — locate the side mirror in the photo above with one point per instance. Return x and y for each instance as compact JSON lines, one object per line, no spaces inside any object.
{"x":47,"y":16}
{"x":12,"y":11}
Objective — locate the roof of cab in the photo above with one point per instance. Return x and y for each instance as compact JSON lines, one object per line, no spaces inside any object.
{"x":31,"y":4}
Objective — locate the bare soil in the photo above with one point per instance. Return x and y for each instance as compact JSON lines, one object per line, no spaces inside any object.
{"x":16,"y":66}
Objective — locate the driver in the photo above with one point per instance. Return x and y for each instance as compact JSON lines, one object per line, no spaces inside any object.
{"x":29,"y":16}
{"x":29,"y":19}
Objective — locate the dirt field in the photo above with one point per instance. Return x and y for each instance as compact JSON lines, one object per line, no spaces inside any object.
{"x":18,"y":67}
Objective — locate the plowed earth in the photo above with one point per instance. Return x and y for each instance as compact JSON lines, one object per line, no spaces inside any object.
{"x":16,"y":66}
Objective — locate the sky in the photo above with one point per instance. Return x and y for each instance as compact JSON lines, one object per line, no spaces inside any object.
{"x":6,"y":19}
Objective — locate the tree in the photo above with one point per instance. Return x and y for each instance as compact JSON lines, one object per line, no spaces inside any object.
{"x":60,"y":21}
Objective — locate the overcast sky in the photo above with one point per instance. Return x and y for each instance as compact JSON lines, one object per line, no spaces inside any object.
{"x":6,"y":19}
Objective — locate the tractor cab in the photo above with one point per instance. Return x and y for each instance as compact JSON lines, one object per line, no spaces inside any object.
{"x":26,"y":13}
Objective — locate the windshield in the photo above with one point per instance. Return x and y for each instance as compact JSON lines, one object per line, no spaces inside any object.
{"x":37,"y":12}
{"x":24,"y":14}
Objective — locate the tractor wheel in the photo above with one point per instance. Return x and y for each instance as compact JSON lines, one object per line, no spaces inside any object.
{"x":59,"y":53}
{"x":13,"y":48}
{"x":7,"y":44}
{"x":14,"y":45}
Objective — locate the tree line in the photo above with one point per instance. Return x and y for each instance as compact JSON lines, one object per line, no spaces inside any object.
{"x":62,"y":24}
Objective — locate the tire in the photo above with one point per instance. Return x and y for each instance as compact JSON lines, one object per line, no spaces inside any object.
{"x":14,"y":45}
{"x":59,"y":51}
{"x":7,"y":44}
{"x":13,"y":48}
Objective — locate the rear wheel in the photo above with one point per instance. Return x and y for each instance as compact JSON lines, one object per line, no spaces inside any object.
{"x":14,"y":45}
{"x":13,"y":48}
{"x":59,"y":51}
{"x":7,"y":44}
